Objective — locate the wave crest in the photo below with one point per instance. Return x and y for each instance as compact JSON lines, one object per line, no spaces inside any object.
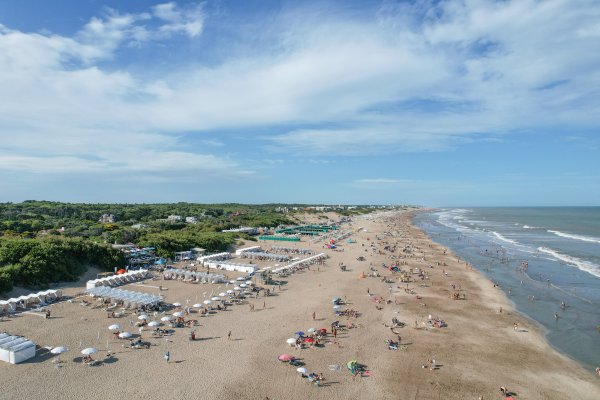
{"x":575,"y":237}
{"x":581,"y":264}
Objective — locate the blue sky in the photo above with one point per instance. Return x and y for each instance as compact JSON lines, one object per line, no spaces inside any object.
{"x":421,"y":102}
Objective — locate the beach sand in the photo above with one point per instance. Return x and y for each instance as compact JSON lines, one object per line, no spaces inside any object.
{"x":477,"y":352}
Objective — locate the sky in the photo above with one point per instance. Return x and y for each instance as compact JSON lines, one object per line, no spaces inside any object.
{"x":435,"y":103}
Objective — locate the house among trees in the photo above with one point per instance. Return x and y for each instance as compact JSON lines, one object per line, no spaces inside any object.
{"x":107,"y":219}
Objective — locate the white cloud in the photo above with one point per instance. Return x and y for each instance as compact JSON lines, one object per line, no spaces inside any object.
{"x":416,"y":79}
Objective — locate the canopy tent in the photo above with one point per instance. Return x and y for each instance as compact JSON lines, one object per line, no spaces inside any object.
{"x":214,"y":257}
{"x":115,"y":280}
{"x":185,"y":275}
{"x":290,"y":250}
{"x":15,"y":349}
{"x":259,"y":255}
{"x":229,"y":266}
{"x":301,"y":263}
{"x":128,"y":297}
{"x":239,"y":252}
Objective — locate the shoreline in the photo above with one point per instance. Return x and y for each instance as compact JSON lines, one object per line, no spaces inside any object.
{"x":565,"y":335}
{"x":476,"y":353}
{"x":541,"y":330}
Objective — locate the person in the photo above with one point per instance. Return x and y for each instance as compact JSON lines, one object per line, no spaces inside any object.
{"x":167,"y":356}
{"x":229,"y":336}
{"x":563,"y":305}
{"x":47,"y":314}
{"x":314,"y":315}
{"x":515,"y":326}
{"x":598,"y":371}
{"x":503,"y":390}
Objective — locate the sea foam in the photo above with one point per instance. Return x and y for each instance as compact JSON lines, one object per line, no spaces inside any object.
{"x":581,"y":264}
{"x":575,"y":237}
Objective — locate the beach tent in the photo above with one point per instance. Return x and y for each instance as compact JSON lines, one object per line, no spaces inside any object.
{"x":15,"y":349}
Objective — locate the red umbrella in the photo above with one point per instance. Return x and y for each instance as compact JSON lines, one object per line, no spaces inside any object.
{"x":121,"y":271}
{"x":322,"y":330}
{"x":309,"y":340}
{"x":285,"y":358}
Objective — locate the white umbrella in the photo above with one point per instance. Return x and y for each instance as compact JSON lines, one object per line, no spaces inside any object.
{"x":237,"y":288}
{"x":114,"y":327}
{"x":154,"y":323}
{"x":232,"y":281}
{"x":222,"y":294}
{"x":230,"y":291}
{"x":337,"y":307}
{"x":241,"y":278}
{"x":59,"y":350}
{"x":176,"y":304}
{"x":207,"y":302}
{"x":166,"y":318}
{"x":249,"y":283}
{"x":197,"y":305}
{"x":291,"y":341}
{"x":311,"y":330}
{"x":88,"y":351}
{"x":178,"y":314}
{"x":144,"y":317}
{"x":243,"y":285}
{"x":125,"y":335}
{"x":216,"y":298}
{"x":302,"y":370}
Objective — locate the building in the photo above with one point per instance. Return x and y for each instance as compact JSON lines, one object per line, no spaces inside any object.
{"x":107,"y":219}
{"x":191,"y":220}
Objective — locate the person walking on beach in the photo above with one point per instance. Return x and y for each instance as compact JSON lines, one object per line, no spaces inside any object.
{"x":229,"y":336}
{"x":167,"y":356}
{"x":314,"y":316}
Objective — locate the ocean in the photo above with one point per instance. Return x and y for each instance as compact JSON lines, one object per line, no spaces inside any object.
{"x":540,"y":257}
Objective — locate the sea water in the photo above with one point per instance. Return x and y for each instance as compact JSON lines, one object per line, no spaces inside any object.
{"x":560,"y":248}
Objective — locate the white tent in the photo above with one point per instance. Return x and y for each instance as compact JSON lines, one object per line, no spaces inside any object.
{"x":15,"y":349}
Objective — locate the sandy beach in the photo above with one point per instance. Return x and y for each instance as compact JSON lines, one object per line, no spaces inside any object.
{"x":478,"y":351}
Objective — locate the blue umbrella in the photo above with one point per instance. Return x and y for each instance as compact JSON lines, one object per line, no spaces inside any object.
{"x":300,"y":333}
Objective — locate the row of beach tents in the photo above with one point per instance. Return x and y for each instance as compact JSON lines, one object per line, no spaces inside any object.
{"x":121,"y":279}
{"x":30,"y":300}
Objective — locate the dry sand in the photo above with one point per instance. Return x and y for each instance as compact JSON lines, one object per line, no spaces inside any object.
{"x":477,"y":353}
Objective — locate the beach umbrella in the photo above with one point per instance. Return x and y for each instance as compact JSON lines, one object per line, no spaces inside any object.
{"x":309,"y":340}
{"x":336,"y":307}
{"x":230,"y":291}
{"x":125,"y":335}
{"x":178,"y":314}
{"x":88,"y":351}
{"x":216,"y":298}
{"x":166,"y":318}
{"x":237,"y":288}
{"x":300,"y":333}
{"x":222,"y":294}
{"x":249,"y":283}
{"x":154,"y":323}
{"x":114,"y":327}
{"x":241,"y":278}
{"x":243,"y":285}
{"x":285,"y":358}
{"x":197,"y":305}
{"x":231,"y":281}
{"x":302,"y":370}
{"x":207,"y":302}
{"x":59,"y":350}
{"x":312,"y":330}
{"x":291,"y":341}
{"x":176,"y":304}
{"x":143,"y":317}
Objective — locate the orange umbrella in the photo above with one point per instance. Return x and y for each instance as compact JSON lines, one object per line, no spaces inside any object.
{"x":121,"y":271}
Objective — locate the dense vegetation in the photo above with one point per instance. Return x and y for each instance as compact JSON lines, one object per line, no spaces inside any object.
{"x":43,"y":242}
{"x":35,"y":263}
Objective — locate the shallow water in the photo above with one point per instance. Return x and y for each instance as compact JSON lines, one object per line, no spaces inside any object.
{"x":562,"y":249}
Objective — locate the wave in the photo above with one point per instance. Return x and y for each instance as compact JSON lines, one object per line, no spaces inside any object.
{"x":499,"y":236}
{"x":579,"y":263}
{"x":575,"y":237}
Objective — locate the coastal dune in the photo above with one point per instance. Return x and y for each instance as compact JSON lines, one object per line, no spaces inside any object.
{"x":475,"y":354}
